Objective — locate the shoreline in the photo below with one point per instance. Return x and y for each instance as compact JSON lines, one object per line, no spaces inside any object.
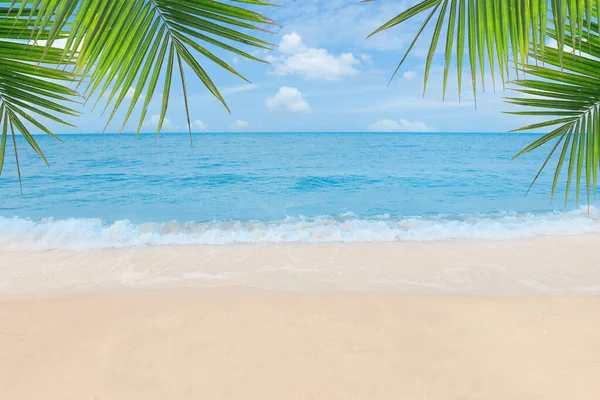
{"x":563,"y":266}
{"x":232,"y":343}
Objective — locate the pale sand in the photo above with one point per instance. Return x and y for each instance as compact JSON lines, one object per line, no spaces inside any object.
{"x":250,"y":344}
{"x":239,"y":343}
{"x":559,"y":266}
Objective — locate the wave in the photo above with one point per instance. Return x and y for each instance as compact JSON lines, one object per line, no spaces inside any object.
{"x":84,"y":234}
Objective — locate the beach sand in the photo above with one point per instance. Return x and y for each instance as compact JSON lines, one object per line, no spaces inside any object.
{"x":247,"y":344}
{"x":550,"y":265}
{"x":236,"y":342}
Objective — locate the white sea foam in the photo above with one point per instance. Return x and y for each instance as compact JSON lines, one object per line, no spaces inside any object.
{"x":84,"y":234}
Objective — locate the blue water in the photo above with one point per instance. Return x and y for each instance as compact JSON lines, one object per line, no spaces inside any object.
{"x":226,"y":181}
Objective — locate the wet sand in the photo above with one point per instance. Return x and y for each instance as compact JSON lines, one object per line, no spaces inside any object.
{"x":551,"y":265}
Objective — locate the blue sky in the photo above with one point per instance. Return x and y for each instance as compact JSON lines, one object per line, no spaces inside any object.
{"x":326,"y":76}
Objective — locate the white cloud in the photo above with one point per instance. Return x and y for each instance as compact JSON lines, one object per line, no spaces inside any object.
{"x":366,"y":58}
{"x":130,"y":93}
{"x":291,"y":44}
{"x":409,"y":75}
{"x":240,"y":125}
{"x":241,"y":88}
{"x":58,"y":43}
{"x":199,"y":126}
{"x":552,"y":43}
{"x":167,"y":126}
{"x":288,"y":99}
{"x":388,"y":125}
{"x":311,"y":63}
{"x":273,"y":58}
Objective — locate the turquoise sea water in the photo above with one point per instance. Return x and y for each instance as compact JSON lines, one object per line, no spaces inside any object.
{"x":111,"y":190}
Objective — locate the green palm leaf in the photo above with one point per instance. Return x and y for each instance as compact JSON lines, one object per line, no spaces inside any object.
{"x":568,"y":88}
{"x":108,"y":48}
{"x":121,"y":45}
{"x":32,"y":89}
{"x":502,"y":29}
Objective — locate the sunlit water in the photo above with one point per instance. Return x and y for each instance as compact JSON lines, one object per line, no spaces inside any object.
{"x":113,"y":191}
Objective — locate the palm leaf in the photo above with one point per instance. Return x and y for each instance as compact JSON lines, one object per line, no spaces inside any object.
{"x":502,"y":29}
{"x":568,"y":87}
{"x":32,"y":89}
{"x":118,"y":46}
{"x":109,"y":48}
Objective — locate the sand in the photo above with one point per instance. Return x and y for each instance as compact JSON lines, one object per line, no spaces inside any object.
{"x":248,"y":344}
{"x":558,"y":266}
{"x":421,"y":321}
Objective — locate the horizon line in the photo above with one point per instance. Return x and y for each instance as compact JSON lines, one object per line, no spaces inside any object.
{"x":288,"y":132}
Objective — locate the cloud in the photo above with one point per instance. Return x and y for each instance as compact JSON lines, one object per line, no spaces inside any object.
{"x":553,"y":43}
{"x":388,"y":125}
{"x":311,"y":63}
{"x":58,"y":43}
{"x":240,"y":125}
{"x":169,"y":126}
{"x":240,"y":88}
{"x":129,"y":94}
{"x":366,"y":58}
{"x":199,"y":126}
{"x":409,"y":75}
{"x":292,"y":44}
{"x":166,"y":127}
{"x":288,"y":99}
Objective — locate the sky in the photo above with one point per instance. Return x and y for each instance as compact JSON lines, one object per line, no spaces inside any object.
{"x":326,"y":76}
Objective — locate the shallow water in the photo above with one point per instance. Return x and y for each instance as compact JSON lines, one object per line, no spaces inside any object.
{"x":112,"y":191}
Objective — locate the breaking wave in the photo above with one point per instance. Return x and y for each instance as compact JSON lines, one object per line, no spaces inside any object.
{"x":84,"y":234}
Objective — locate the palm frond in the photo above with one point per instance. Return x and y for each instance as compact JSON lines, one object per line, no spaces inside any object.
{"x":118,"y":46}
{"x":568,"y":90}
{"x":32,"y":89}
{"x":51,"y":50}
{"x":500,"y":32}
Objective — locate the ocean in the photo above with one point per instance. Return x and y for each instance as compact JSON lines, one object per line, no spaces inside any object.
{"x":106,"y":191}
